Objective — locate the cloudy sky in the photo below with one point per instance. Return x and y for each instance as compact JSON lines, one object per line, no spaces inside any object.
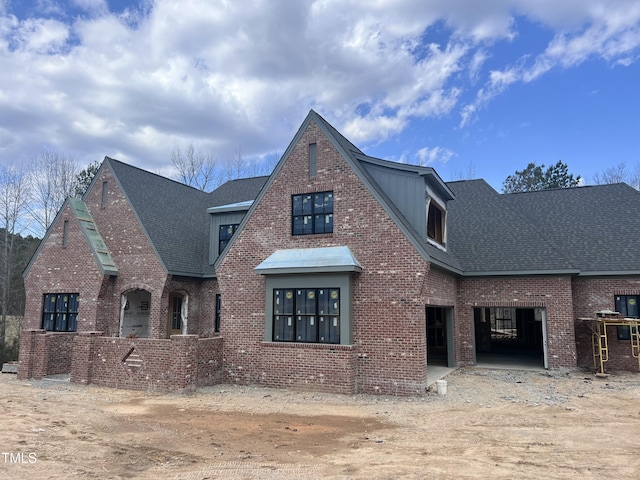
{"x":470,"y":87}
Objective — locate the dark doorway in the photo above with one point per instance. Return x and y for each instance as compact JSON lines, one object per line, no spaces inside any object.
{"x":439,"y":336}
{"x":509,"y":336}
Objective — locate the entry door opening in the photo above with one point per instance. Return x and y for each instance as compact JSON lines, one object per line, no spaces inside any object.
{"x":511,"y":336}
{"x":175,"y":321}
{"x":439,"y":336}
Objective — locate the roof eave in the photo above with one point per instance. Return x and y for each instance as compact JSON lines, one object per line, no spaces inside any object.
{"x":308,"y":270}
{"x":610,"y":273}
{"x":511,"y":273}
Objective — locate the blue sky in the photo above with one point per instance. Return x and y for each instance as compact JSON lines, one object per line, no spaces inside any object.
{"x":472,"y":88}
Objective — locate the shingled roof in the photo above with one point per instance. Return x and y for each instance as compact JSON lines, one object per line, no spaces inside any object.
{"x":594,"y":226}
{"x":583,"y":230}
{"x":488,"y":237}
{"x":174,"y":215}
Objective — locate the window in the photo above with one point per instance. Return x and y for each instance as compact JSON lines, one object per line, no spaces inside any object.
{"x":312,"y":213}
{"x":435,"y":222}
{"x":176,"y":313}
{"x":226,"y":232}
{"x":65,"y":233}
{"x":216,"y":326}
{"x":309,"y":315}
{"x":60,"y":312}
{"x":105,"y":191}
{"x":627,"y":305}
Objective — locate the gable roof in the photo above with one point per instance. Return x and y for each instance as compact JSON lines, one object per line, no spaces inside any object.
{"x":354,"y":158}
{"x":583,"y":230}
{"x":174,"y":215}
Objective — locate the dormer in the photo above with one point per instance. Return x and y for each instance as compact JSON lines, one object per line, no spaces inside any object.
{"x":225,"y":220}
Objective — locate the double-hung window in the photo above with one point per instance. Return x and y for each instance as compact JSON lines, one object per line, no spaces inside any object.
{"x":310,"y":315}
{"x":60,"y":312}
{"x":312,"y":213}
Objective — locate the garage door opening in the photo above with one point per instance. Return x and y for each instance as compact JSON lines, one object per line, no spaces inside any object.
{"x":510,"y":337}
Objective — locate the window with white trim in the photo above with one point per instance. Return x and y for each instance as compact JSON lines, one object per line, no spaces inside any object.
{"x":436,"y":217}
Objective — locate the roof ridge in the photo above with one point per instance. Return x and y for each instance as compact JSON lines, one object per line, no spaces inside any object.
{"x":149,"y":172}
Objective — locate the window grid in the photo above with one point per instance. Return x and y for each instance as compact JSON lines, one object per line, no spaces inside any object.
{"x":628,"y":306}
{"x":60,"y":312}
{"x":312,"y":213}
{"x":225,"y":234}
{"x":307,"y":315}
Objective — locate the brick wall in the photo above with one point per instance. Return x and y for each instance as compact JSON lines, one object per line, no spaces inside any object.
{"x":178,"y":364}
{"x":552,"y":293}
{"x":138,"y":265}
{"x":164,"y":365}
{"x":44,"y":353}
{"x":329,"y":368}
{"x":210,"y":361}
{"x":591,"y":295}
{"x":60,"y":268}
{"x":388,"y":296}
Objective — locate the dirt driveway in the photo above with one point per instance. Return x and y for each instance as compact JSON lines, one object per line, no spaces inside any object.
{"x":491,"y":424}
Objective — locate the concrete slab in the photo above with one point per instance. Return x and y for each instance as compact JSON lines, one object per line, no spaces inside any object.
{"x":437,"y":372}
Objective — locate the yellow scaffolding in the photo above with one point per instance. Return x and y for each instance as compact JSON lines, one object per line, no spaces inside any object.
{"x":600,"y":342}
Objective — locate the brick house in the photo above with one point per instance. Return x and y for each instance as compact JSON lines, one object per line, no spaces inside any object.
{"x":338,"y":272}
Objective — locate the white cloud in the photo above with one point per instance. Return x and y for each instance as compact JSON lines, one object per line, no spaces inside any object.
{"x":598,"y":29}
{"x":222,"y":74}
{"x":428,"y":156}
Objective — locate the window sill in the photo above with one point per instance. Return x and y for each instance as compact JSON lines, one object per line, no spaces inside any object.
{"x":436,"y":244}
{"x":308,"y":346}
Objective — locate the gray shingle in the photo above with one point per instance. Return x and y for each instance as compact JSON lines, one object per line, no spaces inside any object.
{"x":595,"y":226}
{"x":487,"y":236}
{"x":174,"y":215}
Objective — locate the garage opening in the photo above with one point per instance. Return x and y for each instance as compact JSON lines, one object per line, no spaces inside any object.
{"x":510,"y":337}
{"x":440,"y":336}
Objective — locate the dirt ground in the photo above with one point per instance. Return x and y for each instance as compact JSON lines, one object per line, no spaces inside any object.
{"x":491,"y":424}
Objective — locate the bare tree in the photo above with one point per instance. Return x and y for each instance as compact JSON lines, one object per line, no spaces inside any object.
{"x":617,"y":174}
{"x":52,"y":178}
{"x":235,"y":166}
{"x":195,"y":167}
{"x":13,"y":202}
{"x":468,"y":173}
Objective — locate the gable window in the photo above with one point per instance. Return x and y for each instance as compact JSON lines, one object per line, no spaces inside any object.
{"x":310,"y":315}
{"x":226,"y":232}
{"x":105,"y":191}
{"x":60,"y":312}
{"x":627,"y":305}
{"x":312,"y":213}
{"x":435,"y":222}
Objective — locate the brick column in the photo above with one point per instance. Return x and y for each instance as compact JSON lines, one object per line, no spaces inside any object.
{"x":28,"y":355}
{"x":185,"y":354}
{"x":82,"y":357}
